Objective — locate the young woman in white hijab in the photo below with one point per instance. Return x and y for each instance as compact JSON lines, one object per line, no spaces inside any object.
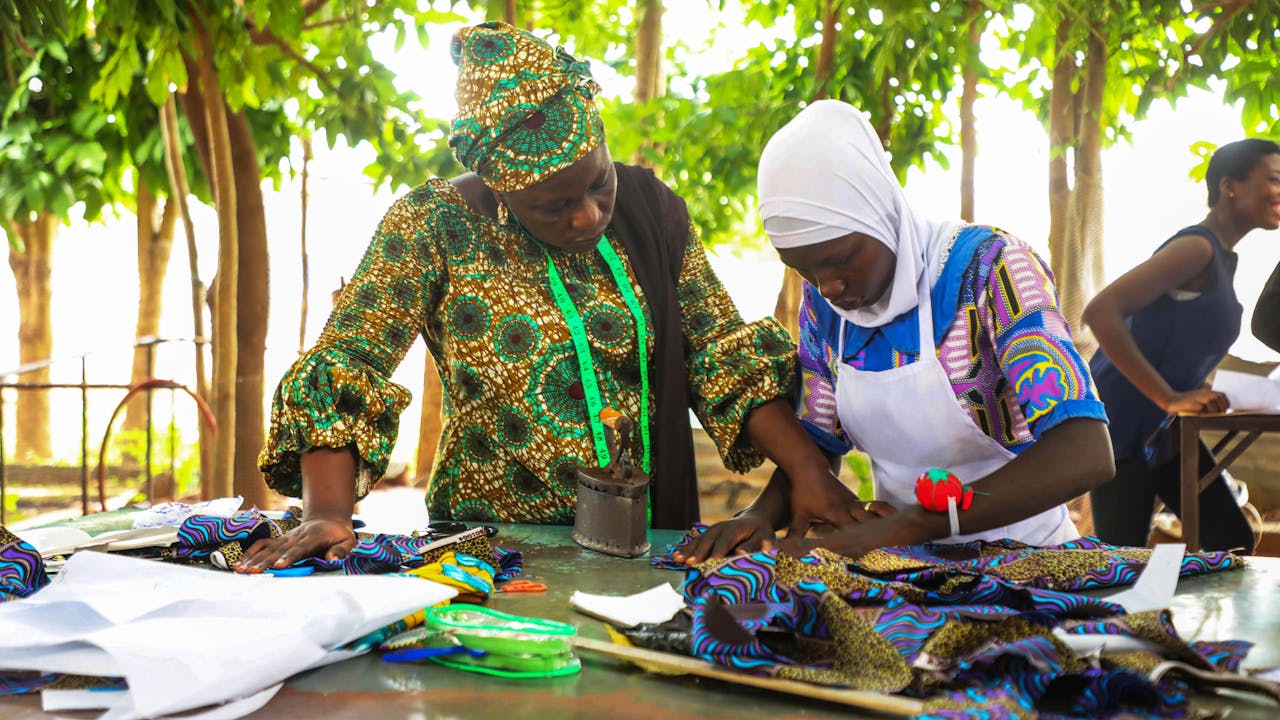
{"x":924,"y":344}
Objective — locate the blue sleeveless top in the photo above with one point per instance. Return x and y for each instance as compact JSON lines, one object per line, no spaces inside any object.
{"x":1183,"y":339}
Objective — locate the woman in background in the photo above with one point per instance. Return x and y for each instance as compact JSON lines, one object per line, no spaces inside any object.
{"x":1162,"y":328}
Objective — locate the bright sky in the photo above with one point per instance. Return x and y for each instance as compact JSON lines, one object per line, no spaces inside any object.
{"x":1148,"y":196}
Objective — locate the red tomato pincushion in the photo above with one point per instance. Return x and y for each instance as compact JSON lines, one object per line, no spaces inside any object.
{"x":935,"y":485}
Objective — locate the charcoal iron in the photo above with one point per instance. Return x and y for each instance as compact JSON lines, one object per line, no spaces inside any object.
{"x":613,"y":501}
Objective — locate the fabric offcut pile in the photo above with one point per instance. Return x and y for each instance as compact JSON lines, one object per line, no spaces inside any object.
{"x":976,"y":630}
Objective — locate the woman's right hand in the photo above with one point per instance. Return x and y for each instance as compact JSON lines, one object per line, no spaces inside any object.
{"x":322,"y":537}
{"x":1200,"y":400}
{"x":747,"y":533}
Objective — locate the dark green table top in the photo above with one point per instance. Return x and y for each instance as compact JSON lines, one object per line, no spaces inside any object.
{"x":1233,"y":605}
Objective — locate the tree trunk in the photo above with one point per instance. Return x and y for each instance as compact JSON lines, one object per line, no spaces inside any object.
{"x":1061,"y":131}
{"x":1085,"y":257}
{"x":155,"y":246}
{"x":225,"y":290}
{"x":787,"y":308}
{"x":31,"y":274}
{"x":1075,"y":210}
{"x":968,"y":129}
{"x":509,"y":12}
{"x":302,"y":233}
{"x":252,"y":311}
{"x":430,"y":422}
{"x":827,"y":50}
{"x":176,"y":168}
{"x":650,"y":79}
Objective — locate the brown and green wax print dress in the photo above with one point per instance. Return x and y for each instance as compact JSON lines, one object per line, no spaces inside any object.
{"x":515,"y":417}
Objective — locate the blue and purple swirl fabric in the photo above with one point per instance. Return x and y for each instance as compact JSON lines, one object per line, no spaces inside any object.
{"x":223,"y":539}
{"x":21,"y":567}
{"x":968,"y":627}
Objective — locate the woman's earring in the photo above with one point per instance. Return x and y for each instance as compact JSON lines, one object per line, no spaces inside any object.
{"x":503,"y":215}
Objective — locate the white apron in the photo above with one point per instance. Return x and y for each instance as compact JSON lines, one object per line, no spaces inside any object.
{"x":908,"y":420}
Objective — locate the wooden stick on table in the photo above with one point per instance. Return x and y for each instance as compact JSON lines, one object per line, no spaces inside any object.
{"x":889,"y":704}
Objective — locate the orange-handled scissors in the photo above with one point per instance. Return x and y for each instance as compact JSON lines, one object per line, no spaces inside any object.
{"x":522,"y":586}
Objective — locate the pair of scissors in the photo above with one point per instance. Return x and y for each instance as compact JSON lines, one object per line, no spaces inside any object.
{"x":444,"y":528}
{"x":522,"y":586}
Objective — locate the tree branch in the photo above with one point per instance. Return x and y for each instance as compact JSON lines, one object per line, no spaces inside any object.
{"x":1231,"y":8}
{"x":264,"y":36}
{"x":25,"y":47}
{"x":311,"y":7}
{"x":327,"y":23}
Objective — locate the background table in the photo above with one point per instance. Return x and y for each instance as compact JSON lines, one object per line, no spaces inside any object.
{"x":1238,"y":605}
{"x":1233,"y":423}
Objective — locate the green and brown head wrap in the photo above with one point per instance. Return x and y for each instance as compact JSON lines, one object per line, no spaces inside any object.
{"x":526,"y":110}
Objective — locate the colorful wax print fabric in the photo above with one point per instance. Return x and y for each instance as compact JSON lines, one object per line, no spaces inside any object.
{"x":526,"y":109}
{"x":21,"y":567}
{"x":222,"y":542}
{"x":974,"y":629}
{"x":1001,"y":338}
{"x":515,"y":419}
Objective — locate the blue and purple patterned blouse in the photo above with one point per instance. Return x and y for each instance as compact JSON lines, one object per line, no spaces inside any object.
{"x":1000,"y":335}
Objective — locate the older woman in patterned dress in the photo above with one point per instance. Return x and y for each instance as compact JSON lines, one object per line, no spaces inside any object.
{"x":546,"y":282}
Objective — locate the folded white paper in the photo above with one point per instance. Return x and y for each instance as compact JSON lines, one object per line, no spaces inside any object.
{"x":186,"y":638}
{"x":655,"y":605}
{"x":1248,"y":392}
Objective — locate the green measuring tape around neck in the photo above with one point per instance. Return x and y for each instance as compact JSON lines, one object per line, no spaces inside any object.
{"x":581,"y":348}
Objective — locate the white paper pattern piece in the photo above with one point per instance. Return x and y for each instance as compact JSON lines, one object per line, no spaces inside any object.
{"x":1248,"y":392}
{"x":655,"y":605}
{"x":1158,"y":582}
{"x":187,"y":638}
{"x":1153,"y":591}
{"x":50,"y":540}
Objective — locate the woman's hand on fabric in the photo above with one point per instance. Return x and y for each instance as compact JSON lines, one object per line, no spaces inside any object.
{"x":330,"y":539}
{"x":859,"y":538}
{"x":747,"y":533}
{"x":1200,"y":400}
{"x":830,"y":503}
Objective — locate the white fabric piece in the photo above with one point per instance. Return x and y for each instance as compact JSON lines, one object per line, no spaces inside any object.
{"x":173,"y":514}
{"x":825,"y":175}
{"x":655,"y":605}
{"x":187,"y":638}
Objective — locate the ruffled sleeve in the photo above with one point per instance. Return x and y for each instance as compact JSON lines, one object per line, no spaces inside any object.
{"x":339,"y":393}
{"x":733,"y":366}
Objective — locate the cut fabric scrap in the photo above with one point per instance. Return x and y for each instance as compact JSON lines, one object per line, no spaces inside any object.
{"x":655,"y":605}
{"x":21,"y":567}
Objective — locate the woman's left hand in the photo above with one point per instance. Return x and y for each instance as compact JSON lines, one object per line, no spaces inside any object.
{"x":859,"y":538}
{"x":827,"y":501}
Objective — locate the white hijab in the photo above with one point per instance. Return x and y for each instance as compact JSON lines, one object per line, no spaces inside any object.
{"x":825,"y":175}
